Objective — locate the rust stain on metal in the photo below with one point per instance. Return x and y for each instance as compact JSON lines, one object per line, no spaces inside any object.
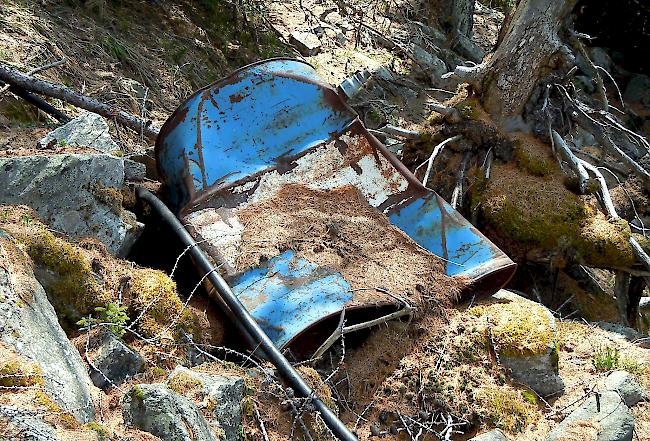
{"x":236,"y":98}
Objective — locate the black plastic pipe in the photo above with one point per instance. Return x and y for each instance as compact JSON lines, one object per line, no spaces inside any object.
{"x":38,"y":102}
{"x":240,"y":312}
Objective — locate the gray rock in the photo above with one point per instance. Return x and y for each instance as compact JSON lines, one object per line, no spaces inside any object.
{"x":225,"y":393}
{"x":164,"y":413}
{"x":492,"y":435}
{"x":638,"y":89}
{"x":30,"y":326}
{"x":615,"y":418}
{"x":115,"y":362}
{"x":467,"y":48}
{"x":433,"y":65}
{"x":621,"y":332}
{"x":307,"y":43}
{"x":86,"y":130}
{"x":148,"y":158}
{"x":539,"y":372}
{"x":133,"y":88}
{"x":76,"y":194}
{"x":134,"y":171}
{"x":26,"y":425}
{"x":626,"y":386}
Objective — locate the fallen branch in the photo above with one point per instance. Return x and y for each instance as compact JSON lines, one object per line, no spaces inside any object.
{"x":596,"y":128}
{"x":452,"y":115}
{"x":399,"y":132}
{"x":23,"y":81}
{"x":436,"y":150}
{"x":457,"y":194}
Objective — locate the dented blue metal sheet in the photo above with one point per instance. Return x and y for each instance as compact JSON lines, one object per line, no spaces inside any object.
{"x":440,"y":229}
{"x":287,"y":295}
{"x":275,"y":123}
{"x":257,"y":117}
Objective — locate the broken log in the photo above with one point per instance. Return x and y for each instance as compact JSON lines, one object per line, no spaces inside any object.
{"x":16,"y":78}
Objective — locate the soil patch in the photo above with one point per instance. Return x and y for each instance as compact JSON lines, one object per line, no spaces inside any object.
{"x":338,"y":229}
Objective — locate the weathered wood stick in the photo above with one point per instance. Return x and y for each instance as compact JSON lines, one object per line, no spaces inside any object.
{"x":42,"y":87}
{"x":568,"y":155}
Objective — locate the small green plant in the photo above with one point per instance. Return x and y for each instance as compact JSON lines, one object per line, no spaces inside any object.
{"x":111,"y":313}
{"x":101,"y":431}
{"x":115,"y":48}
{"x":63,"y":143}
{"x":606,"y":359}
{"x":27,"y":219}
{"x":609,"y":359}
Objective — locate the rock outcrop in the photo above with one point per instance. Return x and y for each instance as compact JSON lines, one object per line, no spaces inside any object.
{"x":219,"y":396}
{"x":158,"y":410}
{"x":29,"y":325}
{"x":23,"y":424}
{"x":77,"y":194}
{"x":606,"y":412}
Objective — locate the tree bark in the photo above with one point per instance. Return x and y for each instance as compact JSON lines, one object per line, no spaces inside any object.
{"x":455,"y":15}
{"x":531,"y":49}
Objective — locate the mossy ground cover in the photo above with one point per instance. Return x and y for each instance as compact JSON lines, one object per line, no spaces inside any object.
{"x":527,"y":206}
{"x":455,"y":371}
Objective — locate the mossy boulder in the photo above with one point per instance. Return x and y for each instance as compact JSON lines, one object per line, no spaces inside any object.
{"x":526,"y":340}
{"x":157,"y":409}
{"x":218,"y":396}
{"x":77,"y":194}
{"x":37,"y":351}
{"x":82,"y":276}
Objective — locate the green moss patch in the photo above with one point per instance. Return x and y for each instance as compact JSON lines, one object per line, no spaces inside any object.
{"x":604,"y":243}
{"x":505,"y":408}
{"x":183,"y":383}
{"x":518,"y":328}
{"x":532,"y":210}
{"x":20,"y":373}
{"x":86,"y":280}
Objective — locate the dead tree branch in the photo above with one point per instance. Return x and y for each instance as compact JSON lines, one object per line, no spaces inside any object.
{"x":14,"y":77}
{"x":436,"y":150}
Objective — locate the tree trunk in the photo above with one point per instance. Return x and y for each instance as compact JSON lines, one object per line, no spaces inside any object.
{"x":530,"y":50}
{"x":455,"y":15}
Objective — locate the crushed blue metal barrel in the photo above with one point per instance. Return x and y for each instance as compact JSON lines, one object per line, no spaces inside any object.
{"x":275,"y":123}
